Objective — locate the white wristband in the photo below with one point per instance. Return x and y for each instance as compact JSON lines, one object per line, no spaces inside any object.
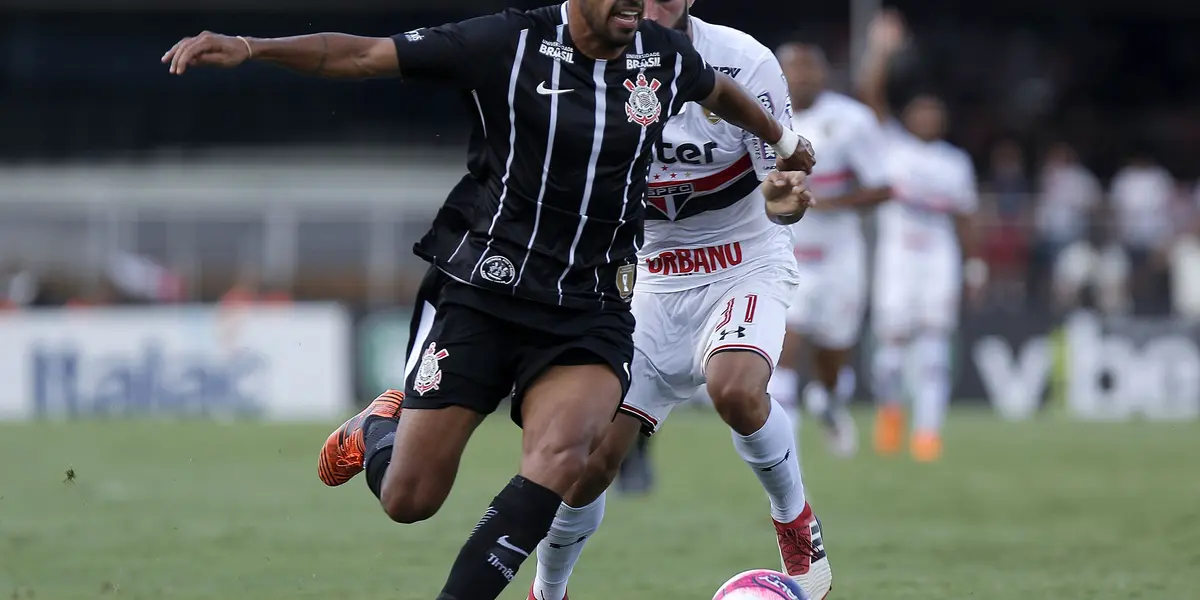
{"x":786,"y":146}
{"x":975,"y":271}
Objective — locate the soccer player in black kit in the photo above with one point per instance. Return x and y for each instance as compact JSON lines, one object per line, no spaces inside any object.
{"x":533,"y":252}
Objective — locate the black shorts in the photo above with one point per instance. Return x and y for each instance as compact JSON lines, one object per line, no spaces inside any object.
{"x":473,"y":348}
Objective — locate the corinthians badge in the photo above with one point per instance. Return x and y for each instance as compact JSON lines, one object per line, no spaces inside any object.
{"x":643,"y":106}
{"x":429,"y":373}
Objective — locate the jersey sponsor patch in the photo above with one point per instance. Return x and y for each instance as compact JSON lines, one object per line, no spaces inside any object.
{"x":730,"y":71}
{"x":414,"y":35}
{"x":557,"y":51}
{"x":498,"y":269}
{"x":649,"y":60}
{"x":765,"y":99}
{"x":626,"y":279}
{"x":690,"y":261}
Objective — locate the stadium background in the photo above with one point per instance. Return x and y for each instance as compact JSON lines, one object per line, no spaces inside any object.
{"x":234,"y":247}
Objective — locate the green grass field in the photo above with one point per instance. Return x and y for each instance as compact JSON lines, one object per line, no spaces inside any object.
{"x":1042,"y":510}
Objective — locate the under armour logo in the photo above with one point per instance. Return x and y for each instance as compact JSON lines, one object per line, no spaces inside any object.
{"x":786,"y":455}
{"x":740,"y":331}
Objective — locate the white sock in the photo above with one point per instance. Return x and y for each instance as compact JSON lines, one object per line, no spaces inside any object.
{"x":816,"y":398}
{"x":558,"y":553}
{"x":784,"y":387}
{"x":889,"y":372}
{"x":931,"y":393}
{"x":771,"y":453}
{"x":847,"y":381}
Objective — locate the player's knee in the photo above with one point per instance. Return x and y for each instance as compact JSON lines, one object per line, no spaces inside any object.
{"x":409,"y":503}
{"x":741,"y":402}
{"x":556,"y":464}
{"x":602,"y":467}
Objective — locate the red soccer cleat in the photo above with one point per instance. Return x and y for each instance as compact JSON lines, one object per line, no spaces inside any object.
{"x":342,"y":457}
{"x":803,"y":554}
{"x":532,"y":597}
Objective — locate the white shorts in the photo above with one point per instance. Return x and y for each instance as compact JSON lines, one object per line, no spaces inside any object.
{"x":677,"y":333}
{"x":829,"y":304}
{"x":915,"y":291}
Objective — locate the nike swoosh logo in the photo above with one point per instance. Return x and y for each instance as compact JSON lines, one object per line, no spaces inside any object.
{"x":626,"y":367}
{"x":504,"y":543}
{"x":545,"y":91}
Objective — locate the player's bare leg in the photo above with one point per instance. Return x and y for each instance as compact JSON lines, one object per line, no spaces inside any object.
{"x":582,"y":510}
{"x":889,"y":388}
{"x":411,"y":457}
{"x":823,"y":396}
{"x":931,"y":393}
{"x":563,"y":414}
{"x":764,"y":437}
{"x":412,"y":469}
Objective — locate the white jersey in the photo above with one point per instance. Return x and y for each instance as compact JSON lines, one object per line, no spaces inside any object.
{"x":849,"y":143}
{"x":932,"y":182}
{"x":705,"y":216}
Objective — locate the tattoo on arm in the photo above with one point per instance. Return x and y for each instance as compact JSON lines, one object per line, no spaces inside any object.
{"x":324,"y":55}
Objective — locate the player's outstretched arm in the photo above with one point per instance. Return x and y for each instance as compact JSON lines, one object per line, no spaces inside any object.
{"x":334,"y":55}
{"x":885,"y":36}
{"x":733,"y":103}
{"x":787,"y":196}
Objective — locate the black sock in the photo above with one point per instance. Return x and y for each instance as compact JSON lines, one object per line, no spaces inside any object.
{"x":518,"y":519}
{"x":378,"y":437}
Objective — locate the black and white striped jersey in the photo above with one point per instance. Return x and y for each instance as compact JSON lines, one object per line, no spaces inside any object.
{"x":552,"y":207}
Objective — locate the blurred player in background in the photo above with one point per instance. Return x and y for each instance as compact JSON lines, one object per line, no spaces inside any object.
{"x":829,"y":244}
{"x":923,"y":251}
{"x":715,"y":277}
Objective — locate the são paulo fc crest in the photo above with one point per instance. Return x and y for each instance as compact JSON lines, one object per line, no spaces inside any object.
{"x":643,"y":106}
{"x":429,"y":373}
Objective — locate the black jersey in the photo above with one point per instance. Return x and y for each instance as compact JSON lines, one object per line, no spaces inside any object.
{"x":552,"y":206}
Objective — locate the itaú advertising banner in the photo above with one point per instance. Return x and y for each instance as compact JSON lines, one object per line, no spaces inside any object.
{"x":287,"y":363}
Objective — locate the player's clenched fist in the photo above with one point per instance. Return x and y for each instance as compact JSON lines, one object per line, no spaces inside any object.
{"x":787,"y":196}
{"x":207,"y":50}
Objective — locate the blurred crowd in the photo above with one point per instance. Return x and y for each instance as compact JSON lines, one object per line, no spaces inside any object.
{"x":1057,"y":236}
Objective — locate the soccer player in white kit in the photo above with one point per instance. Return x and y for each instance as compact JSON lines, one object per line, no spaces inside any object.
{"x":830,"y":248}
{"x":714,"y":281}
{"x":924,"y":248}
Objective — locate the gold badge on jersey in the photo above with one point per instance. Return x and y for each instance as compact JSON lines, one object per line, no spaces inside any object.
{"x":626,"y":276}
{"x":712,"y":118}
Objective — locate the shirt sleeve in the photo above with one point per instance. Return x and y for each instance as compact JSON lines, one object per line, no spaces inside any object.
{"x":456,"y":53}
{"x":866,"y":152}
{"x":696,"y":77}
{"x":967,"y":195}
{"x":766,"y":81}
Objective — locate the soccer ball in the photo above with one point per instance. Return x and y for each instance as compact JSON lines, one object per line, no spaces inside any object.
{"x":760,"y":584}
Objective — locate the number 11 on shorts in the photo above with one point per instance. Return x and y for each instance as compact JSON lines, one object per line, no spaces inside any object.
{"x":751,"y":301}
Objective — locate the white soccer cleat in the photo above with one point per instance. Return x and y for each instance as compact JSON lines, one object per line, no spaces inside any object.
{"x":803,"y":554}
{"x":841,"y":433}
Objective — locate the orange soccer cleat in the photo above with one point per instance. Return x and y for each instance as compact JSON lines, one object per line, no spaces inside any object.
{"x":343,"y":454}
{"x":889,"y":429}
{"x":926,"y":447}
